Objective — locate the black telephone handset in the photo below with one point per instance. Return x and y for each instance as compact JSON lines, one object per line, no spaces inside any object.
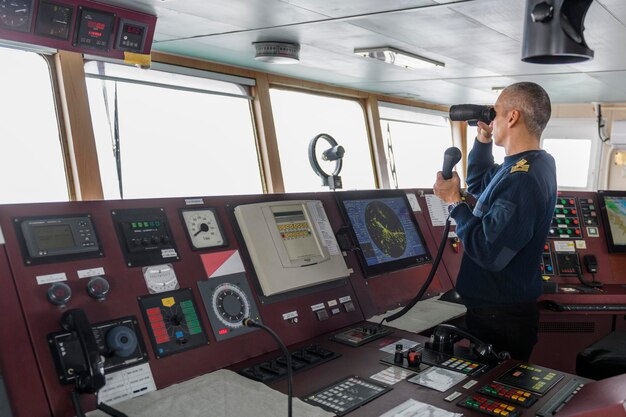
{"x":591,"y":263}
{"x":91,"y":379}
{"x":446,"y":335}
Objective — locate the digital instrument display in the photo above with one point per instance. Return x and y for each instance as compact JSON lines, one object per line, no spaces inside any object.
{"x":54,"y":20}
{"x":533,"y":378}
{"x":57,"y":238}
{"x":145,"y":237}
{"x":613,"y":213}
{"x":95,"y":28}
{"x":382,"y":225}
{"x":54,"y":237}
{"x":131,"y":36}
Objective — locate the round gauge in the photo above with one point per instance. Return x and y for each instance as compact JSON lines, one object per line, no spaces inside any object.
{"x":160,"y":278}
{"x":203,"y":228}
{"x":230,"y":305}
{"x":16,"y":14}
{"x":53,"y":20}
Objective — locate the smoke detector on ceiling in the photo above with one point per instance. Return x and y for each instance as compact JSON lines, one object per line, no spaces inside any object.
{"x":277,"y":52}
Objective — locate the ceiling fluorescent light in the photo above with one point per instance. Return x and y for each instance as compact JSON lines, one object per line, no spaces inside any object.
{"x":397,"y":57}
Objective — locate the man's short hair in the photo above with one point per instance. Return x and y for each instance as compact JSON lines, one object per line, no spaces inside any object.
{"x":534,"y":104}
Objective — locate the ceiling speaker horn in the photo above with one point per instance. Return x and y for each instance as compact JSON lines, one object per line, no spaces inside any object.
{"x":553,"y":32}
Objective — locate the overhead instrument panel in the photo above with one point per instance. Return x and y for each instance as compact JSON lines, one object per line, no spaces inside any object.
{"x":82,"y":26}
{"x":57,"y":238}
{"x":172,"y":322}
{"x":228,"y":300}
{"x":291,"y":244}
{"x":203,"y":228}
{"x":144,"y":236}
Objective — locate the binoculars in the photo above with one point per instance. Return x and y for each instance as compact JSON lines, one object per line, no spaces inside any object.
{"x":472,"y":113}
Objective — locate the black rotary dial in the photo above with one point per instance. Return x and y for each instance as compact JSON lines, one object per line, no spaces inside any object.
{"x":230,"y":305}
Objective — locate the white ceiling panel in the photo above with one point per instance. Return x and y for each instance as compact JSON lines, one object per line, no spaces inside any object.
{"x":478,"y":40}
{"x":334,"y":8}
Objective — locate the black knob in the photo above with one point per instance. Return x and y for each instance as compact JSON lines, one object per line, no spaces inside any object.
{"x":155,"y":240}
{"x":542,"y":12}
{"x":145,"y":241}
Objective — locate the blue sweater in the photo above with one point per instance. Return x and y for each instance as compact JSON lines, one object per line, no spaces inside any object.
{"x":503,"y":237}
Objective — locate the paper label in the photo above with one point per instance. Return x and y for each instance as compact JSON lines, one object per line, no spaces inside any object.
{"x":438,"y":210}
{"x":290,"y":315}
{"x":415,"y":205}
{"x":88,"y":273}
{"x":126,"y":384}
{"x":50,"y":278}
{"x":168,"y":253}
{"x":324,"y":229}
{"x":194,"y":201}
{"x":316,"y":307}
{"x":332,"y":303}
{"x":564,"y":246}
{"x":345,"y":299}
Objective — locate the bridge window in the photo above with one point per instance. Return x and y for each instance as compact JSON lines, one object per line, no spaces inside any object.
{"x":299,"y":117}
{"x":172,"y":132}
{"x":32,"y":164}
{"x":416,"y":140}
{"x":498,"y":151}
{"x":573,"y":144}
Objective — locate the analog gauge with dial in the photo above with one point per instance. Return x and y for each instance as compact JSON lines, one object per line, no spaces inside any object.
{"x":54,"y":20}
{"x":16,"y":14}
{"x":230,"y":305}
{"x":203,"y":228}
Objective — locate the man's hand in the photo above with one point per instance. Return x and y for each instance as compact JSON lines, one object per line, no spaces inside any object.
{"x":448,"y":190}
{"x":484,"y":132}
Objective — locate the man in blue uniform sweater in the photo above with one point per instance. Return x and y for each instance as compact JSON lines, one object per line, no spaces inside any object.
{"x":503,"y":236}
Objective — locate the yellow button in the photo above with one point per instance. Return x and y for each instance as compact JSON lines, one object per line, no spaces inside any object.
{"x":504,"y":413}
{"x":527,"y":394}
{"x":515,"y":397}
{"x":510,"y":408}
{"x":521,"y":399}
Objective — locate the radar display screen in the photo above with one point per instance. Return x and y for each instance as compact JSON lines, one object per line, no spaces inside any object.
{"x":384,"y":228}
{"x":613,"y":213}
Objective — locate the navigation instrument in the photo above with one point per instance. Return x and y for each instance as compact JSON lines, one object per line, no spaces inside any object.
{"x":203,"y":228}
{"x":383,"y":227}
{"x":54,"y":20}
{"x":16,"y":14}
{"x":613,"y":213}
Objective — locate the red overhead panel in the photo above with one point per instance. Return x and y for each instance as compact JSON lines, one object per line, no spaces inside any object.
{"x":79,"y":26}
